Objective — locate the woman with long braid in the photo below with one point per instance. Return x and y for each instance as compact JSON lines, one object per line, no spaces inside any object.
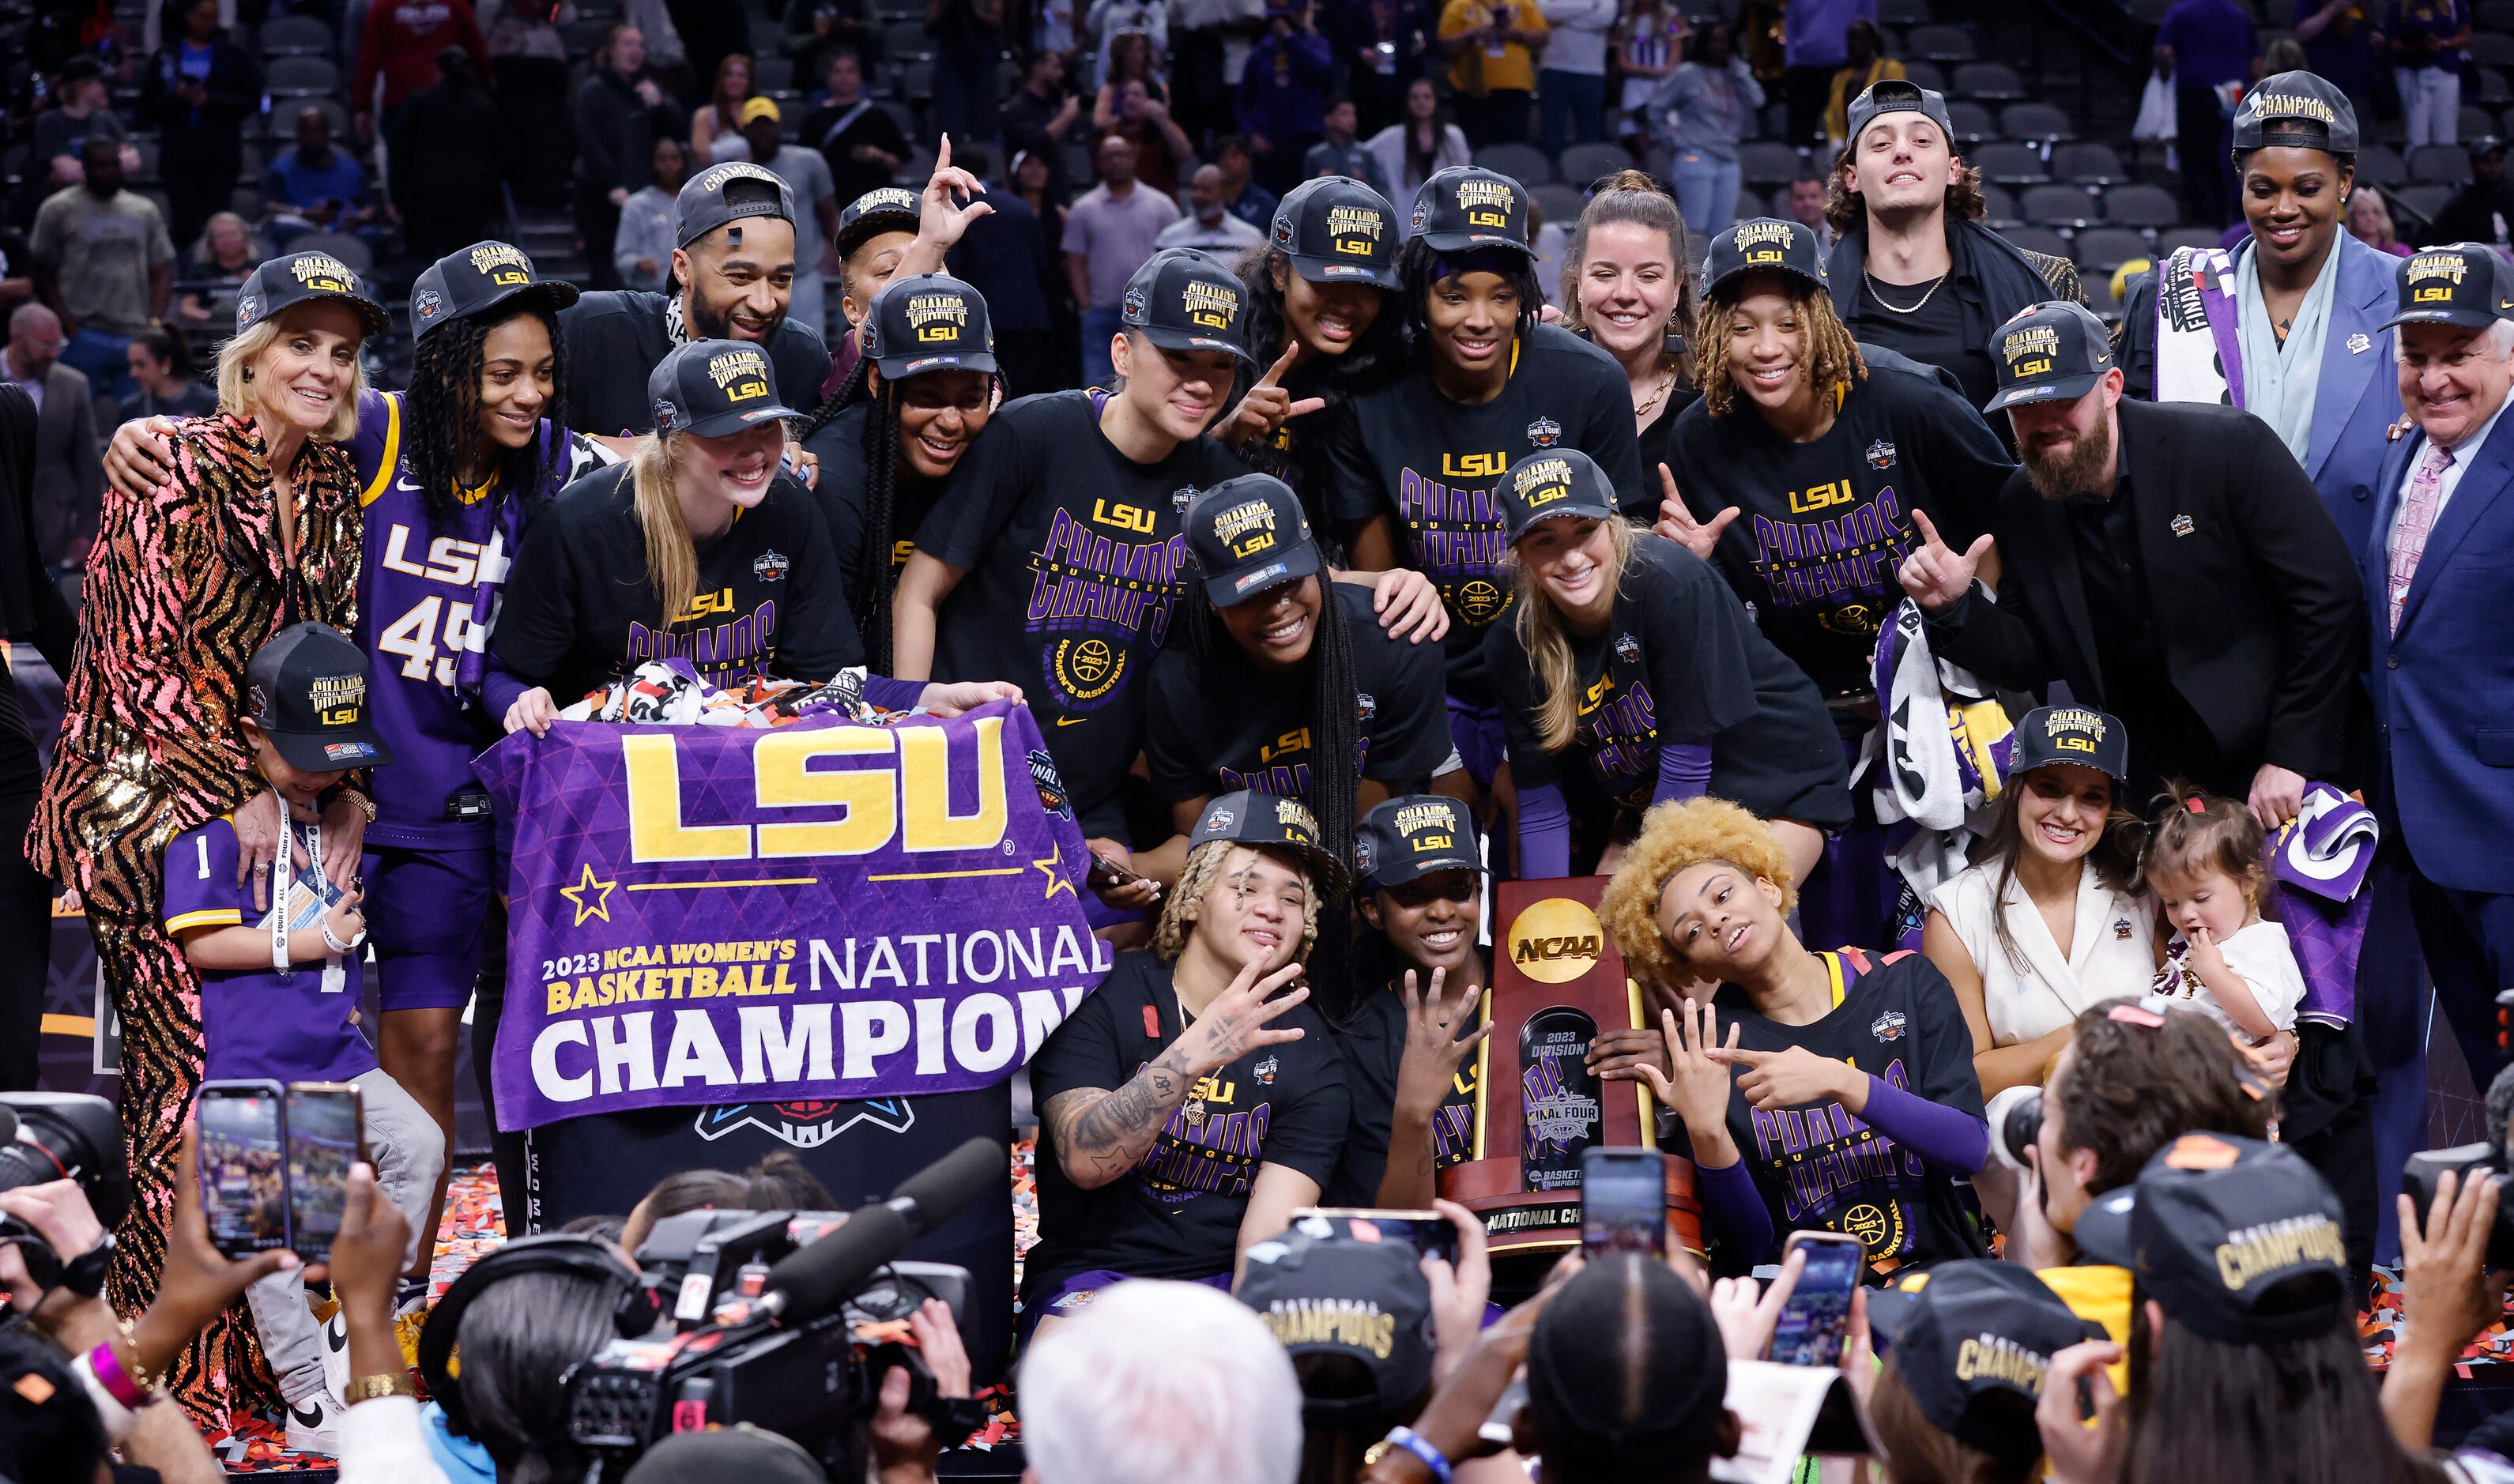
{"x":895,"y":430}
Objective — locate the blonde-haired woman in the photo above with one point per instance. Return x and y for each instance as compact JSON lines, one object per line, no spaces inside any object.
{"x":1192,"y":1101}
{"x":1839,"y":1094}
{"x":740,"y":578}
{"x":1630,"y":660}
{"x":255,"y":528}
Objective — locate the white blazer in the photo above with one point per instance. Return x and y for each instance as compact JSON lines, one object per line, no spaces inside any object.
{"x":2114,"y":953}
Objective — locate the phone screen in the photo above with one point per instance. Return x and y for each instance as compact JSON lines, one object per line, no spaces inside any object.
{"x":1428,"y":1232}
{"x":1623,"y":1201}
{"x":1810,"y":1331}
{"x":244,"y":1186}
{"x":322,"y":1144}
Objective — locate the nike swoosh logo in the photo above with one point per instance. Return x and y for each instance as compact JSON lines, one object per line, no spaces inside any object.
{"x":335,"y":1336}
{"x":1071,"y":721}
{"x":403,"y":482}
{"x":312,"y":1417}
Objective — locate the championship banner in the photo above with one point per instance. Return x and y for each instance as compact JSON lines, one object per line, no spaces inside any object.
{"x":823,"y":910}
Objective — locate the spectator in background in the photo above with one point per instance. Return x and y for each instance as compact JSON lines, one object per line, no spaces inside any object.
{"x":1340,"y":153}
{"x":1380,"y":44}
{"x":1161,"y":147}
{"x":858,"y":140}
{"x":1108,"y":235}
{"x":1816,"y":45}
{"x":1209,"y":224}
{"x":197,"y":91}
{"x":2481,"y":210}
{"x":1207,"y":52}
{"x":1283,"y":92}
{"x":1571,"y":90}
{"x":1034,"y":185}
{"x":2430,"y":47}
{"x":1039,"y":117}
{"x":312,"y":180}
{"x":2339,"y":38}
{"x":1108,"y":20}
{"x":1649,"y":41}
{"x":718,"y":120}
{"x":1420,"y":145}
{"x":816,"y":208}
{"x":84,"y":106}
{"x":1491,"y":46}
{"x":67,"y":476}
{"x":2208,"y":44}
{"x":1806,"y":203}
{"x":105,"y":264}
{"x":1701,"y":111}
{"x":399,"y":44}
{"x":224,"y":256}
{"x":1160,"y":1382}
{"x":1003,"y":255}
{"x":1863,"y":66}
{"x":968,"y":44}
{"x":1247,"y":200}
{"x":1130,"y":58}
{"x":2370,"y":222}
{"x":619,"y":111}
{"x":168,"y":383}
{"x":447,"y":192}
{"x":814,"y":28}
{"x":642,"y":253}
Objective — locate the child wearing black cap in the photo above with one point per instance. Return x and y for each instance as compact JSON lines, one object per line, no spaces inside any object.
{"x":1192,"y":1101}
{"x":279,"y":988}
{"x":1630,"y":658}
{"x":1418,"y":463}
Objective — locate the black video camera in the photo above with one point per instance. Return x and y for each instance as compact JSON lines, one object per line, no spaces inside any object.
{"x":784,"y":1319}
{"x":2418,"y":1178}
{"x":45,"y":1136}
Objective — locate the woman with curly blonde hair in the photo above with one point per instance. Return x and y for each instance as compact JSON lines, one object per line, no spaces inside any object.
{"x":1192,"y":1101}
{"x":1843,"y":1098}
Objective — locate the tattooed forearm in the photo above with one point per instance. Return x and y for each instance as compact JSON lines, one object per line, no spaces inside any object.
{"x":1100,"y":1134}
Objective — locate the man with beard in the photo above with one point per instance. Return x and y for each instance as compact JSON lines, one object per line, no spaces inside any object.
{"x":735,"y":264}
{"x":2169,"y":560}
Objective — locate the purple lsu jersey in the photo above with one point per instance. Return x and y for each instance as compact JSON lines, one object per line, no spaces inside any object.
{"x":426,"y":602}
{"x":257,"y":1023}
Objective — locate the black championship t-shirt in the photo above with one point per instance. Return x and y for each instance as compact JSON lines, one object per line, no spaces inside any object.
{"x":1435,"y":465}
{"x":839,"y":444}
{"x":1680,"y":663}
{"x":1822,"y":526}
{"x":1177,"y":1214}
{"x":578,"y":612}
{"x":1374,"y":1048}
{"x":1073,"y":553}
{"x":1225,"y":725}
{"x":1818,"y":1167}
{"x":616,"y":339}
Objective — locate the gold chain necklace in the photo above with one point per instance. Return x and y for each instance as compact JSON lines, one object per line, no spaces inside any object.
{"x":1649,"y":404}
{"x":1935,"y":286}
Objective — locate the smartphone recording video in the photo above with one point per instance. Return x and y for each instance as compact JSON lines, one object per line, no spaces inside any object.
{"x":1426,"y":1232}
{"x":1818,"y":1310}
{"x":322,"y":1144}
{"x":1623,"y":1201}
{"x":244,"y":1170}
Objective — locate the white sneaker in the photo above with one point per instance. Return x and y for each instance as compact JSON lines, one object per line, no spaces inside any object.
{"x":336,"y":1356}
{"x":314,"y":1426}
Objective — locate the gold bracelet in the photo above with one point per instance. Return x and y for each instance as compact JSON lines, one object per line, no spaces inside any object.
{"x":139,"y":1369}
{"x":382,"y":1385}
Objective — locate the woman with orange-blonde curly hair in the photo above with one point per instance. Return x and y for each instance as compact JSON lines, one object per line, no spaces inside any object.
{"x":1843,"y":1096}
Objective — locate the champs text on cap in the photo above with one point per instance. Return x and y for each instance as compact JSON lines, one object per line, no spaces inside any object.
{"x":2427,"y":268}
{"x":1764,"y":241}
{"x":1527,"y":479}
{"x":1355,"y":231}
{"x":1417,"y":823}
{"x":2071,"y":719}
{"x":741,"y":375}
{"x":501,"y":263}
{"x":717,"y":177}
{"x":1247,"y":527}
{"x":1214,"y":305}
{"x":316,"y":270}
{"x":940,"y":315}
{"x":1486,"y":202}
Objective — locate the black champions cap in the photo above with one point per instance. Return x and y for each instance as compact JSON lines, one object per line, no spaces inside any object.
{"x":307,"y":689}
{"x":1183,"y":300}
{"x":2078,"y":734}
{"x":1764,"y":243}
{"x":295,"y":278}
{"x":1896,"y":95}
{"x":883,"y":209}
{"x":2217,"y":1227}
{"x":1335,"y":229}
{"x":1250,"y":818}
{"x":2048,"y":352}
{"x":477,"y":279}
{"x":1973,"y":1342}
{"x":1467,"y":207}
{"x":1247,"y":535}
{"x":2299,"y":110}
{"x":1557,"y":481}
{"x":714,"y":388}
{"x":1355,"y":1315}
{"x":700,"y":208}
{"x":1412,"y":836}
{"x":931,"y":322}
{"x":2462,"y":283}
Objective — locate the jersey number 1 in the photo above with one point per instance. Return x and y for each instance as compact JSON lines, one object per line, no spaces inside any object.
{"x":413,"y":636}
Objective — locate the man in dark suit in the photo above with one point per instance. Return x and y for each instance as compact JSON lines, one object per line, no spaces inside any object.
{"x":69,"y":474}
{"x":2169,"y":561}
{"x":2441,"y":671}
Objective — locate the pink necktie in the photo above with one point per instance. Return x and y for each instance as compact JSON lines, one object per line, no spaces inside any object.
{"x":2418,"y":518}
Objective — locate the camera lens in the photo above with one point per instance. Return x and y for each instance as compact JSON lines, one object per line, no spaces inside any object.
{"x":67,"y":1136}
{"x":2015,"y":1120}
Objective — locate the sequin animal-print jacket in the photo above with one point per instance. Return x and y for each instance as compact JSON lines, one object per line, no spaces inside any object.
{"x":182,"y":586}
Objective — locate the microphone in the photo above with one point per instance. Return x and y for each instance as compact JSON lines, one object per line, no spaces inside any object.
{"x":815,"y":1280}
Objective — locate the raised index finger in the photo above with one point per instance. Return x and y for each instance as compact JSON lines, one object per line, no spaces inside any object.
{"x":1927,"y":528}
{"x":1290,"y":358}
